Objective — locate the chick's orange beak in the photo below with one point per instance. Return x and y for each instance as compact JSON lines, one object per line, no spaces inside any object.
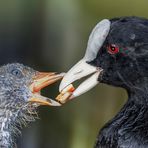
{"x":40,"y":81}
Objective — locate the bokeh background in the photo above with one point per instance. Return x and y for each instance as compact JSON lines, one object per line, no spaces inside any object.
{"x":51,"y":35}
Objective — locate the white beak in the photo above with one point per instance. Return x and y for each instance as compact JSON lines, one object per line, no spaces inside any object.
{"x":82,"y":68}
{"x":78,"y":71}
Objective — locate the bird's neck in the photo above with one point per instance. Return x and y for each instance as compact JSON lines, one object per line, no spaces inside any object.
{"x":136,"y":108}
{"x":11,"y":123}
{"x":138,"y":92}
{"x":6,"y":129}
{"x":132,"y":117}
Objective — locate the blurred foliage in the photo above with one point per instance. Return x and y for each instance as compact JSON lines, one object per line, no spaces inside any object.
{"x":51,"y":35}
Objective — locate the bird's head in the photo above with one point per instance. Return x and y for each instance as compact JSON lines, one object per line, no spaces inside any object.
{"x":116,"y":54}
{"x":20,"y":87}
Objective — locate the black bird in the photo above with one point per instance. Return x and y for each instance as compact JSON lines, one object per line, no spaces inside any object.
{"x":19,"y":97}
{"x":117,"y":54}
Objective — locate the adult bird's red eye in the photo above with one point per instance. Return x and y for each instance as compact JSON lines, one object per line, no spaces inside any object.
{"x":113,"y":49}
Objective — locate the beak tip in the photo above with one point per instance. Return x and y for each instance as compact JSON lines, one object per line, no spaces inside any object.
{"x":60,"y":88}
{"x":62,"y":85}
{"x":62,"y":74}
{"x":55,"y":104}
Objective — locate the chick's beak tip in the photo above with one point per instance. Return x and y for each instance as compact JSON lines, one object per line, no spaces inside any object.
{"x":41,"y":80}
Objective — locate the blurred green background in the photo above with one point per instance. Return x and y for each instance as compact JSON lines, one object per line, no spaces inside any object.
{"x":51,"y":35}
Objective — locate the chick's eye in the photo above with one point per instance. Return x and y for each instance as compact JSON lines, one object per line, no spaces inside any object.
{"x":113,"y":49}
{"x":17,"y":73}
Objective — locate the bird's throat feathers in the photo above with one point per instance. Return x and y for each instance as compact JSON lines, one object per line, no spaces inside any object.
{"x":12,"y":121}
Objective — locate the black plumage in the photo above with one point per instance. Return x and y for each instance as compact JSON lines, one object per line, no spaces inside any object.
{"x":127,"y":69}
{"x":117,"y":54}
